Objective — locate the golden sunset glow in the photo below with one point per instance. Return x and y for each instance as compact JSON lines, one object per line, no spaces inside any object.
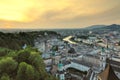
{"x":8,"y":26}
{"x":13,"y":10}
{"x":42,"y":13}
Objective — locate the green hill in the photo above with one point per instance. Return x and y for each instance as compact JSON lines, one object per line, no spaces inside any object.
{"x":22,"y":64}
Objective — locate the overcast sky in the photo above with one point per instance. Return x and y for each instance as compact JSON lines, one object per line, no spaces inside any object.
{"x":45,"y":14}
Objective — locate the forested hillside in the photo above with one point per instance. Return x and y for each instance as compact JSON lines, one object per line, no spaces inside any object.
{"x":25,"y":64}
{"x":17,"y":63}
{"x":15,"y":41}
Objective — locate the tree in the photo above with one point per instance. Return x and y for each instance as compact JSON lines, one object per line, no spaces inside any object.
{"x":21,"y":71}
{"x":24,"y":64}
{"x":5,"y":77}
{"x":3,"y":52}
{"x":7,"y":65}
{"x":2,"y":43}
{"x":25,"y":72}
{"x":23,"y":56}
{"x":30,"y":72}
{"x":36,"y":60}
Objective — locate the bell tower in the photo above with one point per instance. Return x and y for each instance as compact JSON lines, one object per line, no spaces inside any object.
{"x":103,"y":59}
{"x":61,"y":71}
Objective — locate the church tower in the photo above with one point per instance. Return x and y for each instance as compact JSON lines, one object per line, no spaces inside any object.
{"x":61,"y":71}
{"x":103,"y":59}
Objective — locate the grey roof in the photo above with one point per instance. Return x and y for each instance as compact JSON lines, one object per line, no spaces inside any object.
{"x":82,"y":62}
{"x":95,"y":56}
{"x":65,"y":62}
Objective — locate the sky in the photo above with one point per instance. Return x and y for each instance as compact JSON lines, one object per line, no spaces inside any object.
{"x":55,"y":14}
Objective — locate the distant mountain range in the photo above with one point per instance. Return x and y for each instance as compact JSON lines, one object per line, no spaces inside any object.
{"x":113,"y":27}
{"x":95,"y":26}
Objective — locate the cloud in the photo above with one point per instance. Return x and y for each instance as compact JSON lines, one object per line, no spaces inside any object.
{"x":27,"y":10}
{"x":13,"y":10}
{"x":55,"y":12}
{"x":76,"y":8}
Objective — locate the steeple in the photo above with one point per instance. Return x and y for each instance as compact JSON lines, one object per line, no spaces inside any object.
{"x":108,"y":50}
{"x":103,"y":59}
{"x":60,"y":66}
{"x":61,"y":71}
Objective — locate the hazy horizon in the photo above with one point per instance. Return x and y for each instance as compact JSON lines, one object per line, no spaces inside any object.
{"x":57,"y":28}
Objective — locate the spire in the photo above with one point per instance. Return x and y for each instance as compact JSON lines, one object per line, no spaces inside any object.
{"x":61,"y":71}
{"x":60,"y":66}
{"x":103,"y":59}
{"x":103,"y":49}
